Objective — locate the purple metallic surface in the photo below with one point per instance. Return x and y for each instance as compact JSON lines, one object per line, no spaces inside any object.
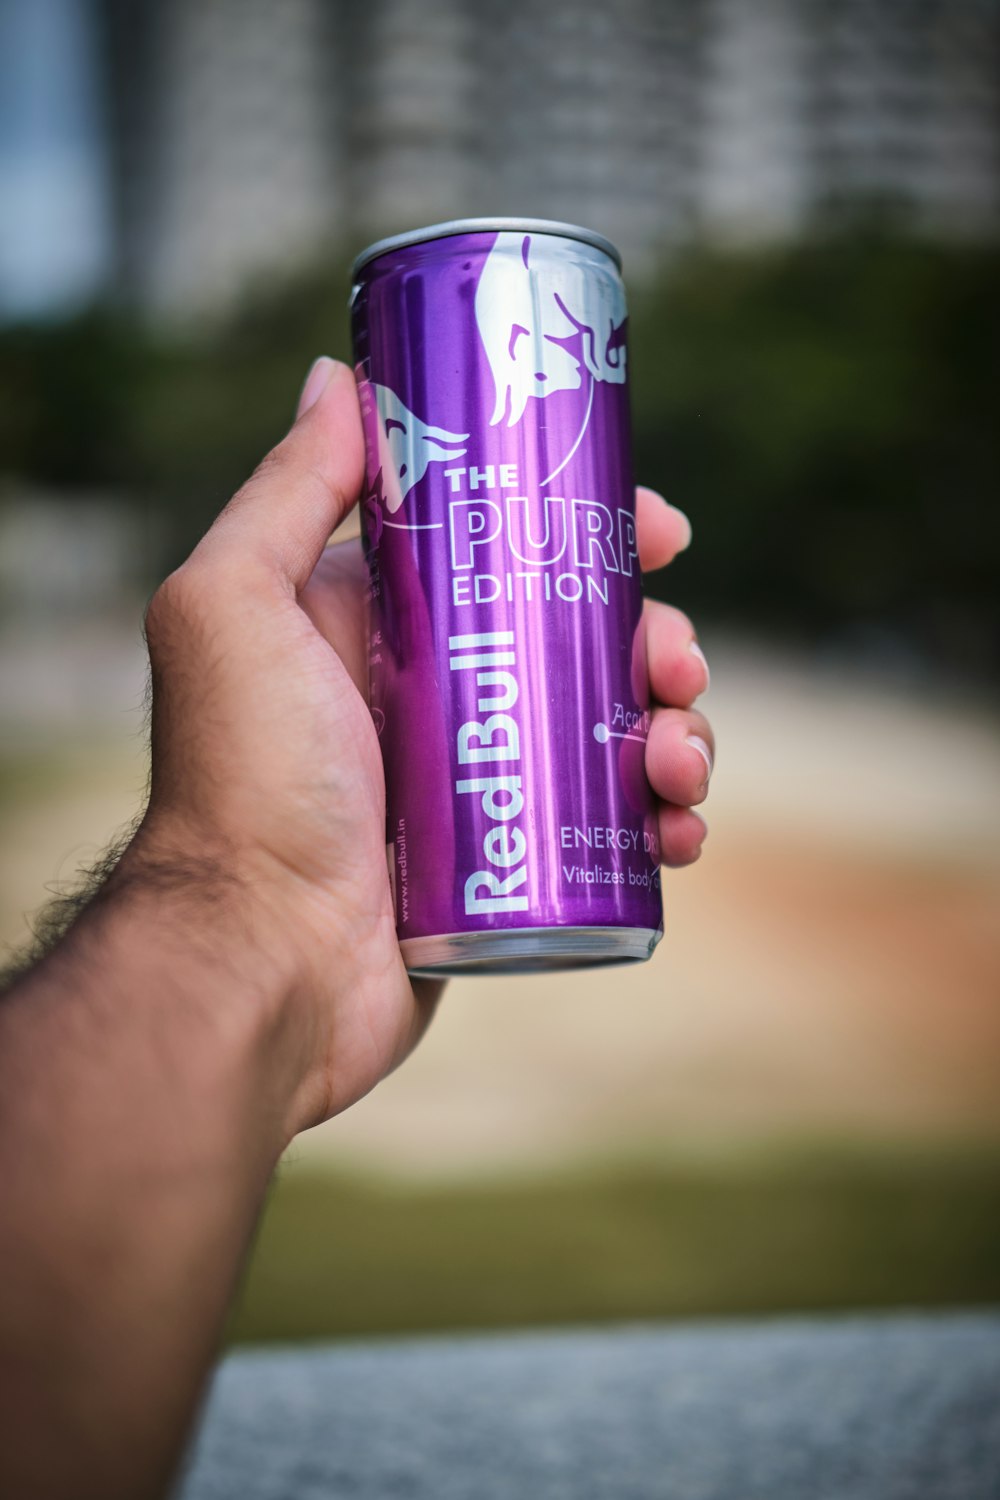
{"x":475,"y":352}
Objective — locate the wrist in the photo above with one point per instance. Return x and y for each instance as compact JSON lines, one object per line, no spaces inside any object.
{"x":150,"y":1069}
{"x":184,"y":944}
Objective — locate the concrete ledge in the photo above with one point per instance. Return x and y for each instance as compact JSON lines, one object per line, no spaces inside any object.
{"x":880,"y":1408}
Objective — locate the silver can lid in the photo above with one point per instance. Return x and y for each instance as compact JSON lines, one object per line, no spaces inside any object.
{"x":487,"y":226}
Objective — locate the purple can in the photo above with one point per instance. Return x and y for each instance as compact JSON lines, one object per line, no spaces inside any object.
{"x":507,"y":659}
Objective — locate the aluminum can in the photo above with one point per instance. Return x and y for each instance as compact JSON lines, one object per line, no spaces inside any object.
{"x":507,"y":659}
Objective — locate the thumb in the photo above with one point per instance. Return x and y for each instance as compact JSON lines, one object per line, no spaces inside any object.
{"x":299,"y":494}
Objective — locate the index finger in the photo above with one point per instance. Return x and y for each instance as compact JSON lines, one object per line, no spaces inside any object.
{"x":661,"y":528}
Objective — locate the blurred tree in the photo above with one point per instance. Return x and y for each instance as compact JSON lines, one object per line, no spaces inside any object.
{"x":825,"y":413}
{"x":177,"y":417}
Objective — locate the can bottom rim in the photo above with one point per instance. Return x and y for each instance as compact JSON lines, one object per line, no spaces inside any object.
{"x":534,"y":950}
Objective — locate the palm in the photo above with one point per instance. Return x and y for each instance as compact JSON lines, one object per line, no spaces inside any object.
{"x":334,"y":599}
{"x":270,"y":747}
{"x":340,"y":842}
{"x":264,"y":746}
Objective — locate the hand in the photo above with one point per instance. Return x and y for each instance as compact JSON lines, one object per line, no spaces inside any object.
{"x":266,"y":765}
{"x":238,"y":977}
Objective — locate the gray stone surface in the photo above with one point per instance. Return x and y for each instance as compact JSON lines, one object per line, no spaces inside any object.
{"x":898,"y":1408}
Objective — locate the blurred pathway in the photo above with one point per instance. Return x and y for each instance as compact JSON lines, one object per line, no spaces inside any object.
{"x":830,"y":967}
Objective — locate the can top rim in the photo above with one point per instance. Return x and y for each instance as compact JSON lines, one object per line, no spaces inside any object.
{"x":486,"y":226}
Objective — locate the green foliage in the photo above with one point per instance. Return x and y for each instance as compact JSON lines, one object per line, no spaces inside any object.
{"x":67,"y":398}
{"x":342,"y":1257}
{"x":827,"y":415}
{"x":824,"y":412}
{"x":175,"y":419}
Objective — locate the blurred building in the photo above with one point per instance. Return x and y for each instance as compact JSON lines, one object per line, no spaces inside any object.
{"x":55,"y":246}
{"x":247,"y":138}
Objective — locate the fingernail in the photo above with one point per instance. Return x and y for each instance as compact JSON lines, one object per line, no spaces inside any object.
{"x":315,"y":385}
{"x":696,"y":651}
{"x":704,"y":827}
{"x":697,"y":743}
{"x":685,"y":544}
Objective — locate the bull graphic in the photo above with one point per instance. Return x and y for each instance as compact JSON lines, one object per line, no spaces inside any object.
{"x":543,"y":323}
{"x":405,"y":445}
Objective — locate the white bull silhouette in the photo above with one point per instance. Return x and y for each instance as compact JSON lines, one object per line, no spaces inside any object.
{"x":542,"y":322}
{"x":406,"y":445}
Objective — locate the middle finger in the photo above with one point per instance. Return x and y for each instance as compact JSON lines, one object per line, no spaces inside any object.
{"x":680,"y":752}
{"x":678,"y":671}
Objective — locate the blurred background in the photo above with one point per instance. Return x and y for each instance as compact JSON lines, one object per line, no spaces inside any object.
{"x":796,"y":1105}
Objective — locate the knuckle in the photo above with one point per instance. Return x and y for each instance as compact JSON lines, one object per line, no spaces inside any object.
{"x":698,"y":724}
{"x":672,"y":622}
{"x":682,"y":622}
{"x":176,"y":604}
{"x":657,"y":724}
{"x":271,"y":466}
{"x":269,"y":471}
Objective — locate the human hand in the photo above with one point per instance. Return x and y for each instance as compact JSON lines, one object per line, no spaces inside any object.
{"x":267,"y":775}
{"x":237,"y":977}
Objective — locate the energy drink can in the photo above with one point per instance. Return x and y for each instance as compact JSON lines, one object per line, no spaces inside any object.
{"x":507,"y":662}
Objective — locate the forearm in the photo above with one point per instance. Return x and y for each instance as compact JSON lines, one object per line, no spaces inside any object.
{"x":147,"y":1082}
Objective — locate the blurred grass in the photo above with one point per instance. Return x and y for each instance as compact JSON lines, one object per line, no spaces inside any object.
{"x":342,"y":1256}
{"x":39,"y":775}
